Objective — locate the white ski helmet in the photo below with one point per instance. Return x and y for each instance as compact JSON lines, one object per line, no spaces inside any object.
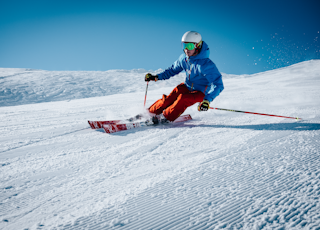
{"x":191,"y":36}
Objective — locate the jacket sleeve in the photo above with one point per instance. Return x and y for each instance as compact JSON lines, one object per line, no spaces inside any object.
{"x":171,"y":71}
{"x":217,"y":89}
{"x":214,"y":77}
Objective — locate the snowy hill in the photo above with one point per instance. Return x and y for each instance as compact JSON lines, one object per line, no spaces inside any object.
{"x":222,"y":170}
{"x":23,"y":86}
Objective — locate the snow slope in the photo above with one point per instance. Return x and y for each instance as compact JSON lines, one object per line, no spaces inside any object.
{"x":222,"y":170}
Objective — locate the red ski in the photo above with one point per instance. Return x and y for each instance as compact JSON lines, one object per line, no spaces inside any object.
{"x":112,"y":128}
{"x":99,"y":124}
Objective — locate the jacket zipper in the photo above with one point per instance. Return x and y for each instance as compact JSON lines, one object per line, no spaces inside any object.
{"x":189,"y":74}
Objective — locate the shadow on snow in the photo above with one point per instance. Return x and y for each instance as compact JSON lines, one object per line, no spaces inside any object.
{"x":274,"y":127}
{"x":271,"y":127}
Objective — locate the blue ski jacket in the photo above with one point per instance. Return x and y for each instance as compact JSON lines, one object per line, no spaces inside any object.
{"x":201,"y":73}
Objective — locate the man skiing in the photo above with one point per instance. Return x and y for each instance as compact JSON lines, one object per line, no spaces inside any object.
{"x":203,"y":81}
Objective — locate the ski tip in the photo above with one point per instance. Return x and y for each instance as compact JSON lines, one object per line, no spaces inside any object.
{"x":91,"y":125}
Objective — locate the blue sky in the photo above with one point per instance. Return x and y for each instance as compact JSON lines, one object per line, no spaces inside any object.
{"x":244,"y":37}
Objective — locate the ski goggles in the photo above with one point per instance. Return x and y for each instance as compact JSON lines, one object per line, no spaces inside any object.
{"x":188,"y":46}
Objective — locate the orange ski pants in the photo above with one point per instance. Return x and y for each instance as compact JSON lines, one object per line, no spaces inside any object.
{"x":177,"y":102}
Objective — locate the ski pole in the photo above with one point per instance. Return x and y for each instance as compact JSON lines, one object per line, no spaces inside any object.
{"x":231,"y":110}
{"x":145,"y":97}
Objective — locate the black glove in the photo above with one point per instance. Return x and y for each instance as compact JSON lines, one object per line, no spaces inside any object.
{"x":204,"y":105}
{"x":150,"y":77}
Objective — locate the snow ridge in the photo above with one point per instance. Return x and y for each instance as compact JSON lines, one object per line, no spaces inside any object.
{"x":24,"y":86}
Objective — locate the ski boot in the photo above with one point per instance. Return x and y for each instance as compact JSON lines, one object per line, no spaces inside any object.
{"x":159,"y":119}
{"x":135,"y":118}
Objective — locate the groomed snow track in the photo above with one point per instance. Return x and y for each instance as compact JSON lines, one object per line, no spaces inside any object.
{"x":256,"y":188}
